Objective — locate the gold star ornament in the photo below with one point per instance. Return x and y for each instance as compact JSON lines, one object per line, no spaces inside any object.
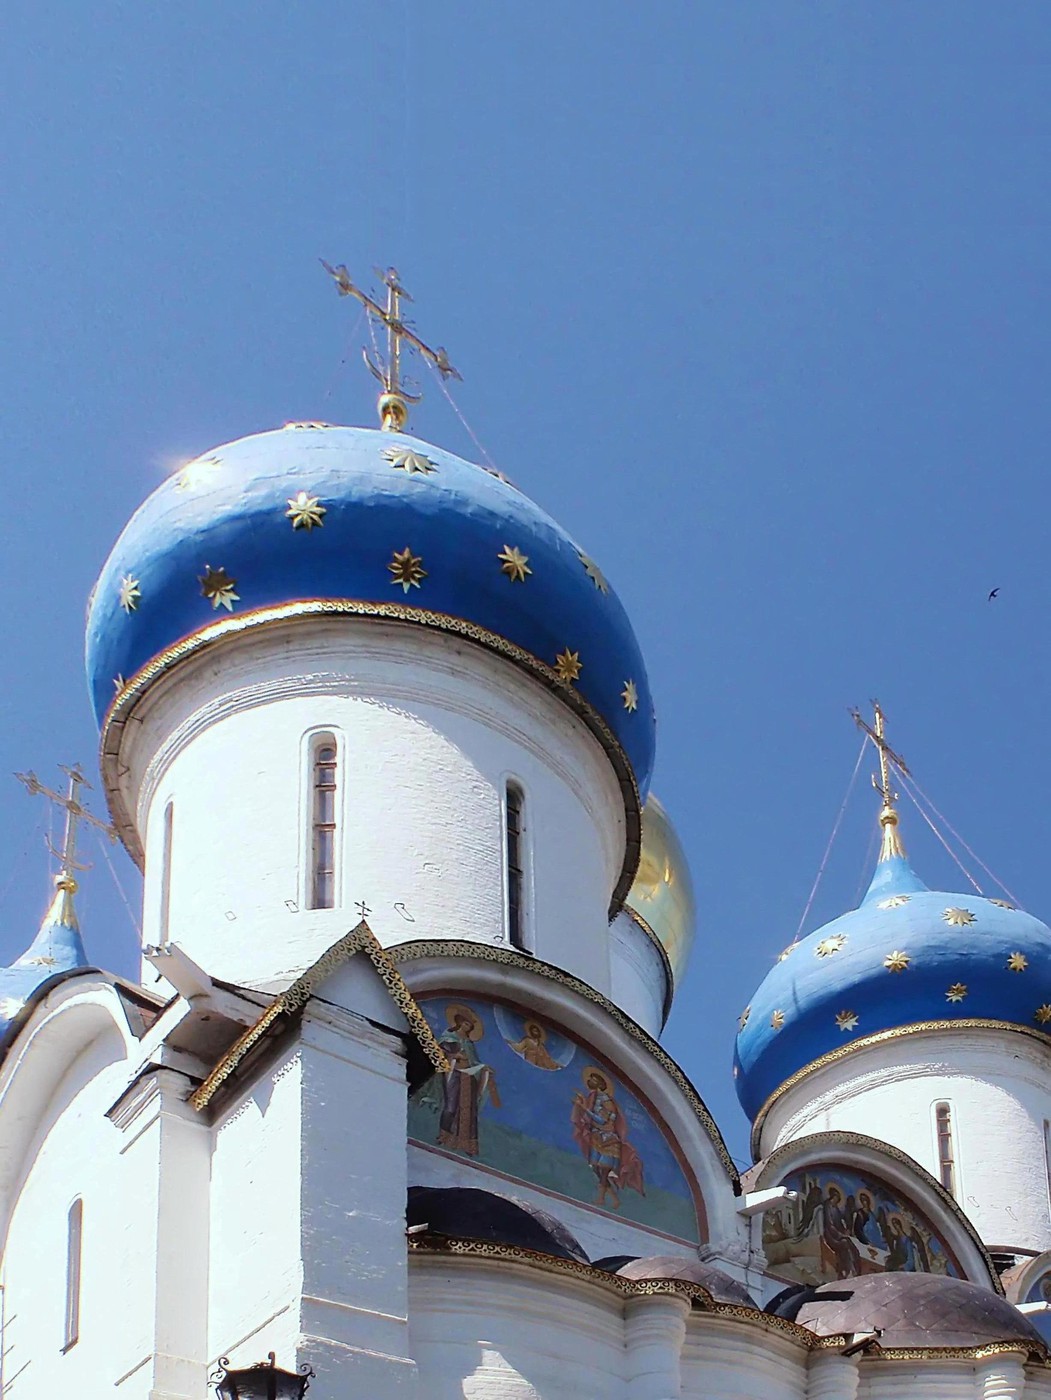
{"x":744,"y":1017}
{"x":958,"y":917}
{"x":630,"y":696}
{"x":896,"y":961}
{"x":407,"y":568}
{"x":830,"y":945}
{"x":786,"y":952}
{"x":568,"y":665}
{"x":197,"y":473}
{"x":514,"y":563}
{"x":1001,"y":904}
{"x":1043,"y":1013}
{"x":777,"y":1020}
{"x":956,"y":992}
{"x":129,"y":593}
{"x":594,"y":573}
{"x":846,"y":1020}
{"x":218,"y":587}
{"x":411,"y":463}
{"x":1017,"y":962}
{"x":305,"y":511}
{"x":894,"y":902}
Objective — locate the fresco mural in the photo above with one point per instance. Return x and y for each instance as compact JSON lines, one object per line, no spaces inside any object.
{"x":1040,"y":1290}
{"x":846,"y":1223}
{"x":525,"y":1100}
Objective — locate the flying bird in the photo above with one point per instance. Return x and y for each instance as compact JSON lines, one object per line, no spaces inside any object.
{"x":992,"y":594}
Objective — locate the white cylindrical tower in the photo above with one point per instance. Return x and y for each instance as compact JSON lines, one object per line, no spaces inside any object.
{"x":341,"y":670}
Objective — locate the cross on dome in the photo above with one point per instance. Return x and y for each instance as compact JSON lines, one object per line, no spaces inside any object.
{"x":75,"y":812}
{"x":394,"y":401}
{"x":888,"y":818}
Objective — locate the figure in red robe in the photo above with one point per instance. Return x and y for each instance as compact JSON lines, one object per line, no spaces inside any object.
{"x":600,"y":1130}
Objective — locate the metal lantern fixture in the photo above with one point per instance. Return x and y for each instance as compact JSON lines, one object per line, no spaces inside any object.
{"x":263,"y":1381}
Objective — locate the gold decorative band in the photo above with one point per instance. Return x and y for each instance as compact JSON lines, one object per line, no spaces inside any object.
{"x":122,"y":708}
{"x":878,"y":1038}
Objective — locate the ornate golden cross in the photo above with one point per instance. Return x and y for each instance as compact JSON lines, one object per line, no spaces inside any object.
{"x":887,"y":757}
{"x":75,"y":812}
{"x":395,"y":399}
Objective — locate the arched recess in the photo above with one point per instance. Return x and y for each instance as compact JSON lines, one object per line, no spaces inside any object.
{"x":82,"y":1012}
{"x":450,"y":970}
{"x":851,"y":1164}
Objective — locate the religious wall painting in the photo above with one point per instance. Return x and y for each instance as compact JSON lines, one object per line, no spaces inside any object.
{"x":844,"y":1223}
{"x":1040,"y":1289}
{"x":526,"y":1101}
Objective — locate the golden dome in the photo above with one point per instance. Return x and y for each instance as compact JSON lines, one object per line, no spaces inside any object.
{"x":662,"y":895}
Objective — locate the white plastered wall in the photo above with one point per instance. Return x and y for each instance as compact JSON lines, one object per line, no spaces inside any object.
{"x":998,"y":1088}
{"x":429,"y":730}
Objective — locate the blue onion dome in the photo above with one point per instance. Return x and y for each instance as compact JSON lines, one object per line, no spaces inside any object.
{"x":908,"y":956}
{"x":661,"y":899}
{"x":56,"y":950}
{"x":313,"y":519}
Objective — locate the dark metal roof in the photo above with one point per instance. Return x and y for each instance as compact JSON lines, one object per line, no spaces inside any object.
{"x":720,"y":1285}
{"x":464,"y":1212}
{"x":913,"y":1310}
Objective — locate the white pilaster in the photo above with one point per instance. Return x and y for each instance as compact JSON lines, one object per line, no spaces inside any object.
{"x":832,"y":1376}
{"x":1003,"y":1378}
{"x":654,"y":1332}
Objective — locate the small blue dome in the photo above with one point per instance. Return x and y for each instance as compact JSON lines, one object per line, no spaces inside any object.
{"x":56,"y":950}
{"x":906,"y":955}
{"x":381,"y":524}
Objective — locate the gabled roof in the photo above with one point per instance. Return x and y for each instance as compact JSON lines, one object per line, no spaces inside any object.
{"x":291,"y":1003}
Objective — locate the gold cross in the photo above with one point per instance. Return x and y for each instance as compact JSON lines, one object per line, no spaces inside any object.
{"x":395,"y":399}
{"x":888,"y":759}
{"x":75,"y":812}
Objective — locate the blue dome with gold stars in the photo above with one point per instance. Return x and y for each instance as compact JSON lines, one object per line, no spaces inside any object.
{"x":314,"y":519}
{"x":908,"y":956}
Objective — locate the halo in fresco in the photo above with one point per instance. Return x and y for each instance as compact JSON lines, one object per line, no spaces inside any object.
{"x":1040,"y":1289}
{"x":533,"y":1039}
{"x":525,"y":1102}
{"x":846,"y":1223}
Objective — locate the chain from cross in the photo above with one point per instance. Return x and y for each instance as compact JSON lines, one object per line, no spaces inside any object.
{"x":887,"y":757}
{"x":75,"y":812}
{"x":394,"y":411}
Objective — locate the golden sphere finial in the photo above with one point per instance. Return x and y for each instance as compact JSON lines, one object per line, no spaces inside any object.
{"x":394,"y":412}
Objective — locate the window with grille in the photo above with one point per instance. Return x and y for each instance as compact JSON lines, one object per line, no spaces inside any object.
{"x":946,"y":1162}
{"x":514,"y":821}
{"x":323,"y":824}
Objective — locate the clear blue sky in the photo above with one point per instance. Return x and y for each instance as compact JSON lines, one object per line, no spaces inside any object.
{"x":752,"y":297}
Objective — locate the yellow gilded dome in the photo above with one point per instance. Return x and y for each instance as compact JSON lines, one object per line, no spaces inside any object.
{"x":662,"y":895}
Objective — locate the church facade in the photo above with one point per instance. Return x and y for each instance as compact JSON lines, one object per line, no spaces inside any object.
{"x":388,"y":1099}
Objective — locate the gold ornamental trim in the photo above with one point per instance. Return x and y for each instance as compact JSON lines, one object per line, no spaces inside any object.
{"x":772,"y":1168}
{"x":974,"y":1023}
{"x":294,"y":999}
{"x":702,"y":1299}
{"x":486,"y":952}
{"x":132,"y":691}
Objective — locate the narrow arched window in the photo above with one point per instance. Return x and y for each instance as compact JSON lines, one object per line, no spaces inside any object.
{"x":515,"y":856}
{"x":166,"y":874}
{"x":323,"y":824}
{"x":946,"y":1159}
{"x":74,"y":1241}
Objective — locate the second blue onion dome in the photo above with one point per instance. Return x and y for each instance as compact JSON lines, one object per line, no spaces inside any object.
{"x":314,"y":518}
{"x":908,"y":956}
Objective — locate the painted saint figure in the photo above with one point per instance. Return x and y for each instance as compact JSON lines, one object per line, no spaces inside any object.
{"x":600,"y":1130}
{"x":533,"y":1047}
{"x":468,"y":1085}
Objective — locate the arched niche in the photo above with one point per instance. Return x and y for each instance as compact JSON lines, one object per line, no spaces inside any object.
{"x":861,"y":1207}
{"x":538,"y":1100}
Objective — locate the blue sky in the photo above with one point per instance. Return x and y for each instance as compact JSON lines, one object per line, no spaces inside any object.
{"x":752,"y":297}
